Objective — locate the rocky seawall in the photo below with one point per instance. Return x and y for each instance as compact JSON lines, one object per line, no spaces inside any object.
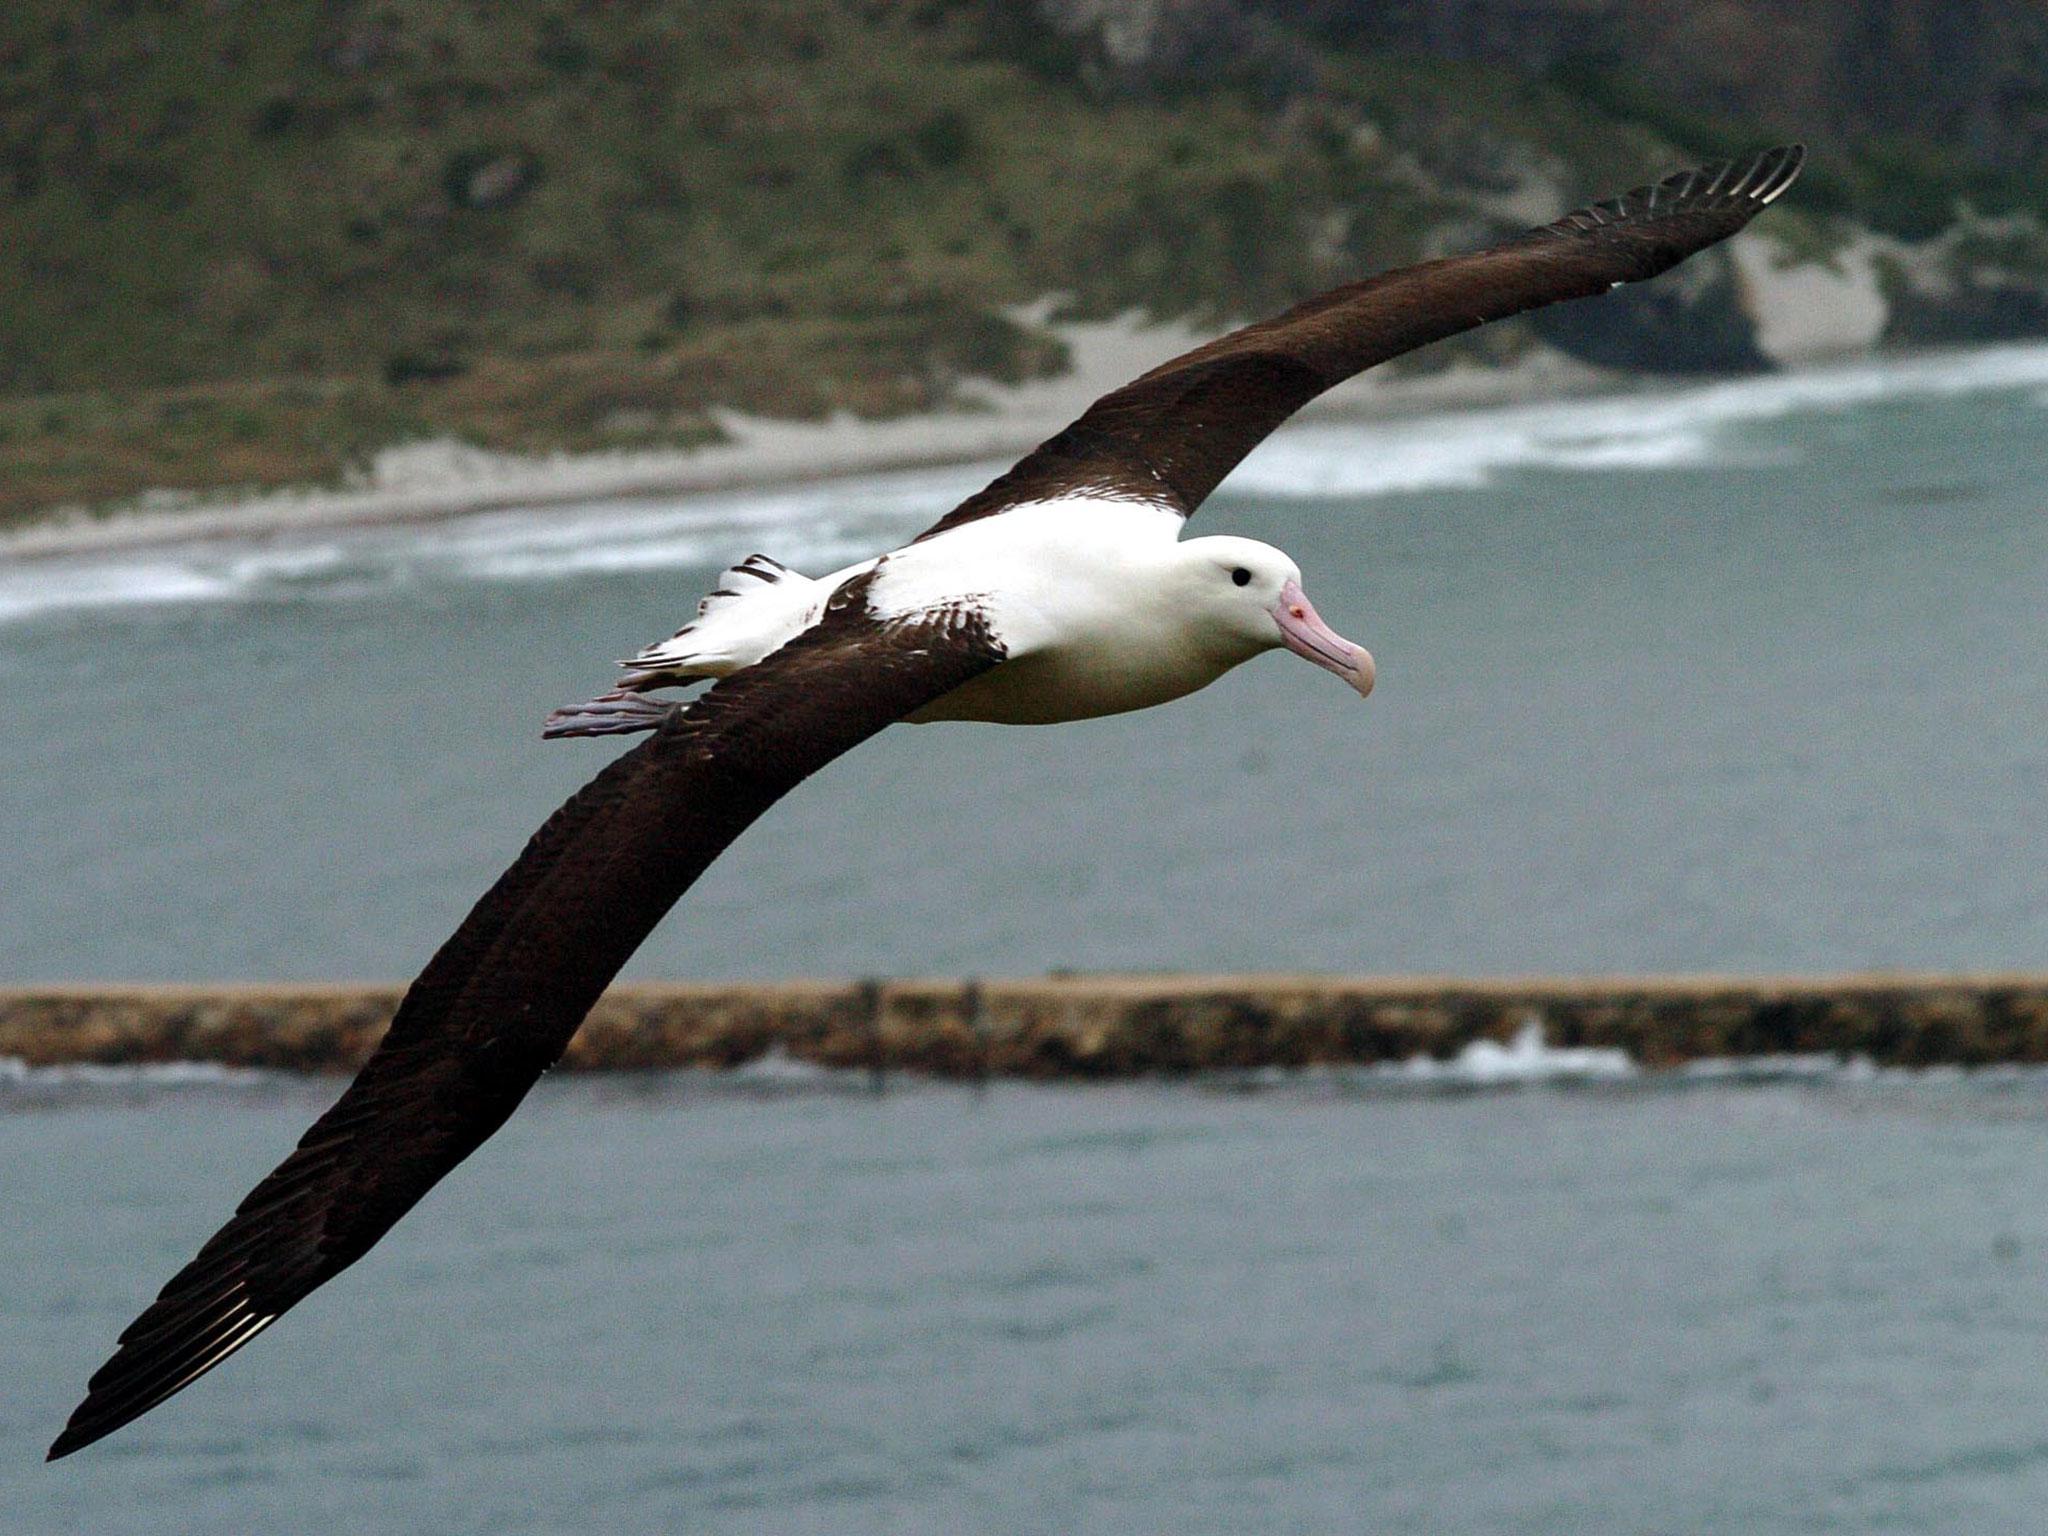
{"x":1086,"y":1027}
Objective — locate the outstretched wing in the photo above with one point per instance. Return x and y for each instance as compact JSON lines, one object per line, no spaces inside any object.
{"x":498,"y":1004}
{"x":1171,"y":435}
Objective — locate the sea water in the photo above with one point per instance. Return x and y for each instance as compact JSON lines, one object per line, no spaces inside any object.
{"x":1334,"y":1303}
{"x":1745,"y":676}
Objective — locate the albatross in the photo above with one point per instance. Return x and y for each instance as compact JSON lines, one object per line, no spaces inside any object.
{"x":1063,"y":590}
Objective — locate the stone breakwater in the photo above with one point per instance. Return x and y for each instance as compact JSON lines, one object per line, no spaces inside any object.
{"x":1092,"y":1026}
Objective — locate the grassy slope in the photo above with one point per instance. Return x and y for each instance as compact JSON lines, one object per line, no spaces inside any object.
{"x":245,"y":244}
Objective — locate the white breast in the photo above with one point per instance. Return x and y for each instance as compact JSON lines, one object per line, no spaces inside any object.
{"x":1074,"y":591}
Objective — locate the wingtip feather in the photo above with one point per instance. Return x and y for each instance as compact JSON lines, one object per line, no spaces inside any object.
{"x":137,"y":1379}
{"x":1745,"y":182}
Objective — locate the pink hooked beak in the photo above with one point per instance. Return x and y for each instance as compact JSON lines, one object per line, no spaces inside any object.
{"x":1303,"y":632}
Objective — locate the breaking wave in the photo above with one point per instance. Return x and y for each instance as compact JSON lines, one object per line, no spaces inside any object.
{"x":1643,"y":431}
{"x":814,"y":527}
{"x":17,"y":1075}
{"x":1528,"y":1058}
{"x":819,"y":526}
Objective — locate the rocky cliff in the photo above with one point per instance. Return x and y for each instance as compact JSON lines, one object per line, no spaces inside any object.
{"x":1922,"y":209}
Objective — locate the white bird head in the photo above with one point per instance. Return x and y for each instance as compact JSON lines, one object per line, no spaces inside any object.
{"x":1252,"y":592}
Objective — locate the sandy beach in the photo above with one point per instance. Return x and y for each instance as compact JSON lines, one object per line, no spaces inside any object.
{"x":420,"y":482}
{"x":1803,"y":316}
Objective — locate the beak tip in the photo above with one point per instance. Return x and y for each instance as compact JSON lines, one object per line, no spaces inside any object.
{"x":1302,"y":631}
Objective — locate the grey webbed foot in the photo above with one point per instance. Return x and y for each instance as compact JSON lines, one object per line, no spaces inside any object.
{"x":611,"y":714}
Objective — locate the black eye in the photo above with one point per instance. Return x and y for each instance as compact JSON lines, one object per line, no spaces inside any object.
{"x":1241,"y":576}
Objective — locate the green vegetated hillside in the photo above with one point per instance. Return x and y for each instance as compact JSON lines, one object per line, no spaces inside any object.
{"x":247,"y":241}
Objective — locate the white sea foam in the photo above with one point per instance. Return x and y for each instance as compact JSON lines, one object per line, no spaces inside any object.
{"x":812,"y":527}
{"x":818,"y":526}
{"x":1644,"y":430}
{"x":17,"y":1073}
{"x":775,"y":1068}
{"x":37,"y":589}
{"x":1525,"y":1059}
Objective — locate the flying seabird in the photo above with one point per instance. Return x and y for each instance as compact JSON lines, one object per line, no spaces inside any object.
{"x":1062,"y":591}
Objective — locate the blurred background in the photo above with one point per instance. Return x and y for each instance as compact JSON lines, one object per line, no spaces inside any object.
{"x":372,"y":374}
{"x":1707,"y":614}
{"x":251,"y":244}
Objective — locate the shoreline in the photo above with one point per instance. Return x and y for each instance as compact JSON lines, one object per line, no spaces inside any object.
{"x":1088,"y":1027}
{"x":1803,"y":317}
{"x":434,"y":481}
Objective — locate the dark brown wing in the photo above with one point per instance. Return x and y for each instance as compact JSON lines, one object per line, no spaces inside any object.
{"x":1171,"y":435}
{"x":497,"y":1006}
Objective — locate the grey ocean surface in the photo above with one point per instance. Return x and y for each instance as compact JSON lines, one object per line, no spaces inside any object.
{"x":674,"y":1305}
{"x":1748,"y":676}
{"x":1752,"y":676}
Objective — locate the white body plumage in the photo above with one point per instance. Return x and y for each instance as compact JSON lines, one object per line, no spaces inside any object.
{"x":1099,"y":604}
